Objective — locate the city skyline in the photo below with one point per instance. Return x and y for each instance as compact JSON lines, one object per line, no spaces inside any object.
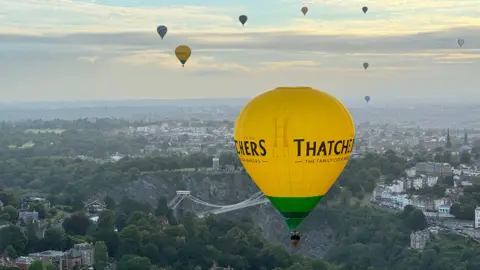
{"x":97,"y":50}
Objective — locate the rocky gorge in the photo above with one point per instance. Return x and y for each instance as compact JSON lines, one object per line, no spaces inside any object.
{"x":225,"y":189}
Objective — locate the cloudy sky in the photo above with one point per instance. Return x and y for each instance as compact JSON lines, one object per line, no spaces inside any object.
{"x":109,"y":49}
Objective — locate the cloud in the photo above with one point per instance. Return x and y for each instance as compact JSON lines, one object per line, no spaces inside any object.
{"x":404,"y":6}
{"x":277,"y":41}
{"x":309,"y":65}
{"x":394,"y":36}
{"x":385,"y":17}
{"x":458,"y":56}
{"x":90,"y":59}
{"x":455,"y":62}
{"x":60,"y":16}
{"x":162,"y":60}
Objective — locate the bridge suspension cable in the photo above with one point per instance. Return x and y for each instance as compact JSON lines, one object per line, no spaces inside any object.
{"x":255,"y":199}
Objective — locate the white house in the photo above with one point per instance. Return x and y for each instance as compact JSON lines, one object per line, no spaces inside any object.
{"x":477,"y":217}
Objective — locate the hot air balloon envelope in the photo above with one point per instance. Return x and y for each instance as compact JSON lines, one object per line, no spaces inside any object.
{"x":364,"y":9}
{"x":243,"y":19}
{"x":461,"y":42}
{"x":162,"y":30}
{"x":183,"y":52}
{"x":294,"y":142}
{"x":365,"y":65}
{"x":304,"y":10}
{"x":367,"y":98}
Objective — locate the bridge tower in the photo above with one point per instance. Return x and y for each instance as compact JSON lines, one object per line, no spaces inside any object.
{"x":177,"y":203}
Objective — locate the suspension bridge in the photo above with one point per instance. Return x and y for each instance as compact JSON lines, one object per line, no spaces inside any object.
{"x":256,"y":199}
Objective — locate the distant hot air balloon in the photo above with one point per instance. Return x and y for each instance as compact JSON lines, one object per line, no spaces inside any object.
{"x":287,"y":143}
{"x":243,"y":19}
{"x":364,"y":9}
{"x":365,"y":65}
{"x":461,"y":42}
{"x":367,"y":98}
{"x":183,"y":52}
{"x":304,"y":10}
{"x":162,"y":30}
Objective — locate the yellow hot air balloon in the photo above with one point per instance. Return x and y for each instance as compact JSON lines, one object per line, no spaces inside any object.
{"x":294,"y":142}
{"x":183,"y":52}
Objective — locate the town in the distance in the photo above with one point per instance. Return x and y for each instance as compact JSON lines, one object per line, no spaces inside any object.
{"x":166,"y":190}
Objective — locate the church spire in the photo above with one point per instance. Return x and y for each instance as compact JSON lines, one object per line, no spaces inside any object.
{"x":449,"y":143}
{"x":465,"y":138}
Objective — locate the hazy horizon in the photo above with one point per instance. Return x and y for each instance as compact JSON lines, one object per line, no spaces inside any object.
{"x":109,"y":50}
{"x":230,"y":102}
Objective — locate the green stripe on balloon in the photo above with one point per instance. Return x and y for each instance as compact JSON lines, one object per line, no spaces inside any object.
{"x":294,"y":209}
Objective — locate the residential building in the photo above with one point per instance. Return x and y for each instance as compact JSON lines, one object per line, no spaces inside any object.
{"x":96,"y":207}
{"x":29,"y":201}
{"x":74,"y":259}
{"x":57,"y":258}
{"x":477,"y":217}
{"x":163,"y":220}
{"x":216,"y":164}
{"x":24,"y":262}
{"x":6,"y":261}
{"x":419,"y":239}
{"x":25,"y":216}
{"x":85,"y":251}
{"x":433,"y":168}
{"x":215,"y":267}
{"x":444,"y":212}
{"x":422,"y":181}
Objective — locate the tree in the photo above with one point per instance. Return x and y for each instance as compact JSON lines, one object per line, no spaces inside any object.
{"x":369,"y":184}
{"x":100,"y":254}
{"x":130,"y":241}
{"x":31,"y":235}
{"x":162,"y":207}
{"x":416,"y":220}
{"x":133,"y":262}
{"x":152,"y":252}
{"x":465,"y":157}
{"x":36,"y":265}
{"x":50,"y":267}
{"x":226,"y":158}
{"x":110,"y":203}
{"x":106,"y":221}
{"x":77,"y":223}
{"x":320,"y":265}
{"x":14,"y":237}
{"x":12,"y":212}
{"x":55,"y":239}
{"x":11,"y":252}
{"x":455,"y":209}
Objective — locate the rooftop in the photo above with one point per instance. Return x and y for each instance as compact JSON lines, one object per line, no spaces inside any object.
{"x":47,"y":253}
{"x":26,"y":260}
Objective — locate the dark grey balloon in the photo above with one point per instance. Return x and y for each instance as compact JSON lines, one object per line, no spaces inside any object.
{"x":162,"y":30}
{"x":243,"y":19}
{"x":365,"y":65}
{"x":364,"y":9}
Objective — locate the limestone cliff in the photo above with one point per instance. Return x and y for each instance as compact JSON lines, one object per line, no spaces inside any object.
{"x":225,"y":189}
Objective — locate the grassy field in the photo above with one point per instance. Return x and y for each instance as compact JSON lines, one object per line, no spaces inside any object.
{"x":39,"y":131}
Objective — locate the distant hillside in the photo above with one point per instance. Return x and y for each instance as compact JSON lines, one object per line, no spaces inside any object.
{"x":227,"y":109}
